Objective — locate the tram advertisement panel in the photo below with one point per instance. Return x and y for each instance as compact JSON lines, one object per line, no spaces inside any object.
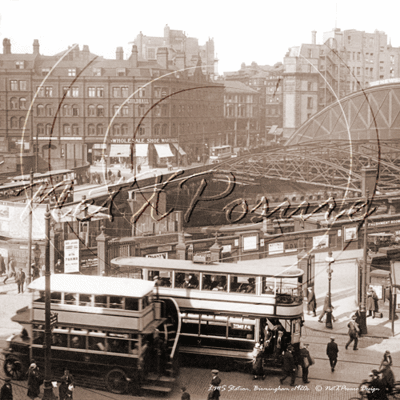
{"x":71,"y":256}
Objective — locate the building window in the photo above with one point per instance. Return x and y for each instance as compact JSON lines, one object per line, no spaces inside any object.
{"x":22,"y":103}
{"x":125,"y":111}
{"x":67,"y":92}
{"x":173,"y":129}
{"x":156,"y":130}
{"x":96,"y":71}
{"x":48,"y":91}
{"x":19,"y":64}
{"x":392,"y":59}
{"x":125,"y":91}
{"x":121,"y":71}
{"x":124,"y":130}
{"x":309,"y":86}
{"x":141,"y":110}
{"x":358,"y":56}
{"x":391,"y":72}
{"x":116,"y":130}
{"x":348,"y":39}
{"x":99,"y":129}
{"x":164,"y":130}
{"x":75,"y":129}
{"x":164,"y":110}
{"x":116,"y":92}
{"x":92,"y":92}
{"x":142,"y":92}
{"x":91,"y":130}
{"x":309,"y":102}
{"x":100,"y":92}
{"x":75,"y":91}
{"x":100,"y":111}
{"x":48,"y":129}
{"x":40,"y":110}
{"x":142,"y":130}
{"x":116,"y":111}
{"x":151,"y":53}
{"x":157,"y":92}
{"x":92,"y":111}
{"x":71,"y":71}
{"x":49,"y":110}
{"x":75,"y":111}
{"x":21,"y":122}
{"x":13,"y":85}
{"x":157,"y":111}
{"x":45,"y":71}
{"x":358,"y":71}
{"x":65,"y":110}
{"x":14,"y":103}
{"x":40,"y":130}
{"x":66,"y":129}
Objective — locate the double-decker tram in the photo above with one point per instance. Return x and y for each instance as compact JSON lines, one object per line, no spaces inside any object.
{"x":109,"y":333}
{"x":225,"y":309}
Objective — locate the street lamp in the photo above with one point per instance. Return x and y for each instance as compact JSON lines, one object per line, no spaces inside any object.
{"x":330,"y":260}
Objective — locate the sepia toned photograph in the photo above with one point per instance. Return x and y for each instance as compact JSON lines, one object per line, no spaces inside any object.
{"x":199,"y":200}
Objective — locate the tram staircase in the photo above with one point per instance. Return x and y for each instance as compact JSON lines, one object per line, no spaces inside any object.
{"x":164,"y":383}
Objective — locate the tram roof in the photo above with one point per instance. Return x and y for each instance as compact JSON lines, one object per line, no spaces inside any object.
{"x":264,"y":267}
{"x":98,"y":285}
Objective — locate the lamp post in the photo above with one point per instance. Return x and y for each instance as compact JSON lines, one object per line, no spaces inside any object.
{"x":330,"y":260}
{"x":47,"y":387}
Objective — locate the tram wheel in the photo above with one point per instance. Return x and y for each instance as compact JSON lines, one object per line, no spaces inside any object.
{"x":14,"y":368}
{"x":116,"y":381}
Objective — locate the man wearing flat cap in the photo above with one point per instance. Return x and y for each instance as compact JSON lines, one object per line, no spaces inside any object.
{"x":6,"y":390}
{"x":215,"y":384}
{"x":332,"y":351}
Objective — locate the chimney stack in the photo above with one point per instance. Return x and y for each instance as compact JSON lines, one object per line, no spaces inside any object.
{"x":180,"y":60}
{"x":162,"y":57}
{"x":85,"y":53}
{"x":75,"y":52}
{"x":6,"y":46}
{"x":36,"y":46}
{"x":314,"y":37}
{"x":134,"y":57}
{"x":119,"y":53}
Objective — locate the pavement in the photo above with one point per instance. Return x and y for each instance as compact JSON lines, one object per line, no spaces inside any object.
{"x":352,"y":368}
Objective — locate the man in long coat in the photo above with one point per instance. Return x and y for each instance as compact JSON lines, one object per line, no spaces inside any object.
{"x":311,"y":301}
{"x":372,"y":302}
{"x":289,"y":366}
{"x":332,"y":351}
{"x":305,"y":362}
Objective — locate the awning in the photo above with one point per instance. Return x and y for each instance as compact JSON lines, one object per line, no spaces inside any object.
{"x":273,"y":129}
{"x":278,"y":132}
{"x":163,"y":150}
{"x":141,"y":150}
{"x":179,"y":148}
{"x":120,"y":150}
{"x":395,"y":273}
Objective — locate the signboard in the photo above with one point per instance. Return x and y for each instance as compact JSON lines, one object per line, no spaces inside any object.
{"x":144,"y":140}
{"x":244,"y":327}
{"x":202,"y":258}
{"x":250,"y":242}
{"x":227,"y":248}
{"x":320,"y":242}
{"x":71,"y":256}
{"x":14,"y":220}
{"x":350,"y":233}
{"x":157,"y":255}
{"x":275,"y":248}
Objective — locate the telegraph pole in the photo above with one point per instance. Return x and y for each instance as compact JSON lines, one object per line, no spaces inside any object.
{"x":30,"y":229}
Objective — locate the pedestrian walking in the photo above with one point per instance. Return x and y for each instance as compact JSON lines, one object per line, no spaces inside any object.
{"x":185,"y":394}
{"x":372,"y":302}
{"x":66,"y":388}
{"x":305,"y":361}
{"x":311,"y":302}
{"x":2,"y":265}
{"x":11,"y":270}
{"x":6,"y":390}
{"x":34,"y":381}
{"x":214,"y":393}
{"x":353,"y":333}
{"x":387,"y":377}
{"x":258,"y":370}
{"x":139,"y":168}
{"x":289,"y":367}
{"x":388,"y":358}
{"x":332,"y":351}
{"x":325,"y":309}
{"x":20,"y":279}
{"x":119,"y":174}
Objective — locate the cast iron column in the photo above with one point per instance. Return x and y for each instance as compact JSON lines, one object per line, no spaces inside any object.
{"x":329,"y":260}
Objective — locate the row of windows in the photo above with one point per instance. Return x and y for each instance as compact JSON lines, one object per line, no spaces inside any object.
{"x":99,"y":130}
{"x":237,"y":284}
{"x":18,"y":104}
{"x":74,"y":338}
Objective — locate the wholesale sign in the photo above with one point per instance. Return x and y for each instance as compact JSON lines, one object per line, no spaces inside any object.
{"x":71,"y":256}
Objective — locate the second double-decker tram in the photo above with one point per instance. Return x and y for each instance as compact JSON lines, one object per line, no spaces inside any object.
{"x":226,"y":308}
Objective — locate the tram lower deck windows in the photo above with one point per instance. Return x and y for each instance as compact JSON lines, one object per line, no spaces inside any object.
{"x":186,"y":280}
{"x":214,"y":282}
{"x":131,"y":304}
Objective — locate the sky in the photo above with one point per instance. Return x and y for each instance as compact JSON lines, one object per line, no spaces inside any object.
{"x":245,"y":31}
